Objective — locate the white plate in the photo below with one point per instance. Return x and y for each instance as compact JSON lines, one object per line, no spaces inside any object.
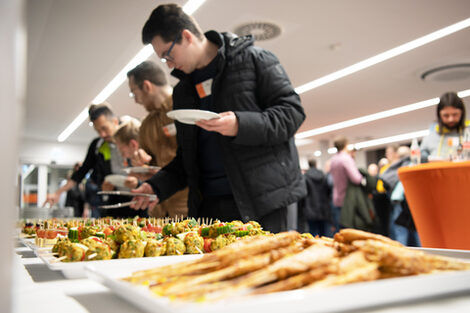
{"x":116,"y":179}
{"x":74,"y":270}
{"x":191,"y":116}
{"x":341,"y":298}
{"x":140,"y":169}
{"x":31,"y":243}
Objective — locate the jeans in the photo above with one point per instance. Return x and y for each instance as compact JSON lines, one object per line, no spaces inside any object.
{"x":400,"y":233}
{"x":336,"y":217}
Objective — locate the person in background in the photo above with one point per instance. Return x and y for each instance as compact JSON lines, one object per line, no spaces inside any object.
{"x":446,"y":134}
{"x":126,"y":138}
{"x":102,"y":159}
{"x":382,"y":162}
{"x":343,"y":170}
{"x":373,"y":169}
{"x":127,"y":142}
{"x":76,"y":195}
{"x":243,"y":165}
{"x":316,"y":205}
{"x":381,"y":199}
{"x":402,"y":227}
{"x":157,"y":135}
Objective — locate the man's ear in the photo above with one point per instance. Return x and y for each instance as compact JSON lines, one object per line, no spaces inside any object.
{"x":134,"y":144}
{"x":115,"y":121}
{"x":147,"y":86}
{"x":186,"y":34}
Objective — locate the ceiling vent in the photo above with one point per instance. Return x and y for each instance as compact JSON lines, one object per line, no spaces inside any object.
{"x":447,"y":73}
{"x":259,"y":30}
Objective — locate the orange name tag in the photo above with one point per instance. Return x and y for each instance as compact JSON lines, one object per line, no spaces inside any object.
{"x":169,"y":130}
{"x":204,"y":89}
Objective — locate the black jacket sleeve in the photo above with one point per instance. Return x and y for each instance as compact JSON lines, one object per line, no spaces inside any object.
{"x":88,"y":164}
{"x":169,"y":179}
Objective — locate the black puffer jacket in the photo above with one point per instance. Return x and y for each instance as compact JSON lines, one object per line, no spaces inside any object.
{"x":261,"y":162}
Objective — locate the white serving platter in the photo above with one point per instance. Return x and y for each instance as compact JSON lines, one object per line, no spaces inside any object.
{"x":74,"y":270}
{"x":31,"y":243}
{"x":28,"y":242}
{"x":341,"y":298}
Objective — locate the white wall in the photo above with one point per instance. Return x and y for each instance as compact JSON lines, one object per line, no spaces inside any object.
{"x":12,"y":83}
{"x":37,"y":151}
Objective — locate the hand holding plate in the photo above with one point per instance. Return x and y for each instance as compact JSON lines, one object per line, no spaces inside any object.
{"x":226,"y":125}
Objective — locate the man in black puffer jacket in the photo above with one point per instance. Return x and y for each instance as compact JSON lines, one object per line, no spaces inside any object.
{"x":243,"y":165}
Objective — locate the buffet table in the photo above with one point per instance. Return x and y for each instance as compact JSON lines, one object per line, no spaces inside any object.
{"x":438,"y":195}
{"x":38,"y":289}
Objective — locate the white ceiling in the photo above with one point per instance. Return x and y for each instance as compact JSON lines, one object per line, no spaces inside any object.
{"x":76,"y":47}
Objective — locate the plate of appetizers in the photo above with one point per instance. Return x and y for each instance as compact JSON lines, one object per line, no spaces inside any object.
{"x":290,"y":273}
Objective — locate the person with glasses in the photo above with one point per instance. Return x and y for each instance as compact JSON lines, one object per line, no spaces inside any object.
{"x":243,"y":165}
{"x":150,"y":88}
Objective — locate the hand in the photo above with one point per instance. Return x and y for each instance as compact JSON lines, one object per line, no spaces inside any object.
{"x":140,"y":158}
{"x":131,"y":182}
{"x":51,"y":199}
{"x":143,"y":202}
{"x":107,"y":186}
{"x":227,"y":125}
{"x":86,"y":211}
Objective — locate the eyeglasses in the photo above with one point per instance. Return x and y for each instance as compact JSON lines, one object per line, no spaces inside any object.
{"x":166,"y":56}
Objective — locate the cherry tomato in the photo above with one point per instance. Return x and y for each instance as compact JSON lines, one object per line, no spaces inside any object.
{"x":41,"y":233}
{"x":51,"y":234}
{"x":207,"y":244}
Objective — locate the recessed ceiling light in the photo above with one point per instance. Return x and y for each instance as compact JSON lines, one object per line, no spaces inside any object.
{"x":447,"y":73}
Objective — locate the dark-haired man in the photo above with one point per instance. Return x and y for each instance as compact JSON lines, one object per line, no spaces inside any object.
{"x":157,"y":135}
{"x":103,"y":158}
{"x":243,"y":165}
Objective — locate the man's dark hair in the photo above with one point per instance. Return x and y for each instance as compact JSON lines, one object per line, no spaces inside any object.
{"x":312,"y":163}
{"x":340,"y":143}
{"x":150,"y":71}
{"x":168,"y":21}
{"x":453,"y":100}
{"x":96,"y":110}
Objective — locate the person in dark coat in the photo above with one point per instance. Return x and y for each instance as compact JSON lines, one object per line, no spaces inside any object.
{"x":358,"y":210}
{"x":315,"y":207}
{"x":76,"y":196}
{"x":243,"y":165}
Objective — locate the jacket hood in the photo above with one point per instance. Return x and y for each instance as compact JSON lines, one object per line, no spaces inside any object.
{"x":315,"y":174}
{"x":234,"y":44}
